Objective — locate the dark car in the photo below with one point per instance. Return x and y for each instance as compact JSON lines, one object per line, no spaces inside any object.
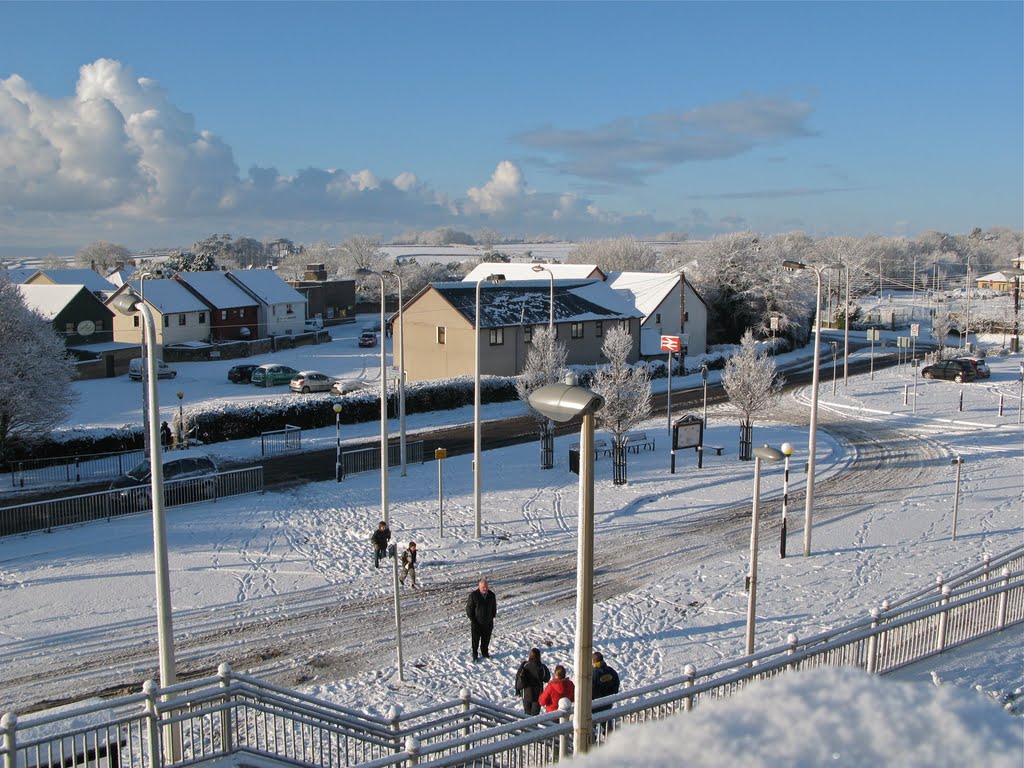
{"x":188,"y":477}
{"x":950,"y":370}
{"x":981,"y":368}
{"x":368,"y":339}
{"x":269,"y":375}
{"x":241,"y":374}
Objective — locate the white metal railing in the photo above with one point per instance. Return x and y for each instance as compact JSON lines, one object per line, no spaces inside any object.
{"x":230,"y":714}
{"x":72,"y":469}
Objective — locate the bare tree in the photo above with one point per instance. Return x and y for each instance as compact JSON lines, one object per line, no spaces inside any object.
{"x":626,"y":390}
{"x":102,"y":256}
{"x":35,"y":373}
{"x":362,"y":252}
{"x":545,"y":364}
{"x":753,"y":385}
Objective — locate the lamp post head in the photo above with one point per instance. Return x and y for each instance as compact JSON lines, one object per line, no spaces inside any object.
{"x":539,"y":268}
{"x":338,"y":408}
{"x":181,"y":395}
{"x":767,"y":453}
{"x":787,"y":449}
{"x":363,"y":272}
{"x":125,"y":303}
{"x":564,"y":402}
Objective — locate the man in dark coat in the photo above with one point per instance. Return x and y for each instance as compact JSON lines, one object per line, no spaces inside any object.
{"x":605,"y":681}
{"x":380,"y":539}
{"x":481,"y":608}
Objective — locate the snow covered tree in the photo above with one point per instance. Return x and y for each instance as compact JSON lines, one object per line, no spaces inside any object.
{"x":942,"y":324}
{"x":626,"y":390}
{"x":625,"y":254}
{"x":545,"y":364}
{"x":102,"y":256}
{"x":187,"y":261}
{"x":753,"y":386}
{"x":35,"y":373}
{"x":362,"y":252}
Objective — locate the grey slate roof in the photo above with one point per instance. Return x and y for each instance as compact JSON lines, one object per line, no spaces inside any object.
{"x":92,"y":280}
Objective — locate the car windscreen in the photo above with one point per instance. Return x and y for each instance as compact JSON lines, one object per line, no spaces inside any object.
{"x":140,"y":472}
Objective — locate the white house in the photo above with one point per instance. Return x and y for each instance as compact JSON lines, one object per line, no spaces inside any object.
{"x":670,"y":307}
{"x":179,"y":315}
{"x":282,"y":309}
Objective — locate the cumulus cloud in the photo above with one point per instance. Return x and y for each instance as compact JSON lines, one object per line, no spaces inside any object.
{"x":505,"y":187}
{"x":628,"y":150}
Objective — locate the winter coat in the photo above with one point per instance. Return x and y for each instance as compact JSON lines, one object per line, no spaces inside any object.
{"x":409,"y":558}
{"x":481,"y":608}
{"x":380,"y":539}
{"x":555,"y":691}
{"x":605,"y":682}
{"x":531,"y":679}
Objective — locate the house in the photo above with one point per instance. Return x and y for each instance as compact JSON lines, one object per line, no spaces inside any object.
{"x":670,"y":307}
{"x":331,"y":299}
{"x":998,"y":281}
{"x":91,"y":280}
{"x":120,"y":274}
{"x":526,"y":271}
{"x":180,"y":316}
{"x":77,"y":314}
{"x":441,"y":333}
{"x":19,"y":275}
{"x":234,"y":313}
{"x":282,"y":309}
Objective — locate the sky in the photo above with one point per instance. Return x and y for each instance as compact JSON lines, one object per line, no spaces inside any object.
{"x":158,"y":124}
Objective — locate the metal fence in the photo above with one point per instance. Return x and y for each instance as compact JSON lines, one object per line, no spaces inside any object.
{"x":368,"y":459}
{"x":281,"y":440}
{"x":72,"y":469}
{"x":230,"y":714}
{"x":103,"y":505}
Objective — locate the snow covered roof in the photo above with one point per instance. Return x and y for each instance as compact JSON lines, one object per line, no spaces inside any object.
{"x":266,"y":286}
{"x":996,"y":277}
{"x":217,"y":289}
{"x":91,"y":280}
{"x":50,"y":300}
{"x":19,"y":275}
{"x":647,"y":290}
{"x":527,"y":302}
{"x":168,"y":296}
{"x":524,"y":271}
{"x":121,"y":275}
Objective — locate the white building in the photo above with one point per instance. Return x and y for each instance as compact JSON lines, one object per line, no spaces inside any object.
{"x":282,"y":309}
{"x":670,"y":307}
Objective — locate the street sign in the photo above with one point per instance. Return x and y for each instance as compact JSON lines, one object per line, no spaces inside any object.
{"x":915,"y":329}
{"x":773,"y":322}
{"x":902,"y":341}
{"x":873,"y":334}
{"x":670,"y":344}
{"x":440,"y":453}
{"x":688,"y":432}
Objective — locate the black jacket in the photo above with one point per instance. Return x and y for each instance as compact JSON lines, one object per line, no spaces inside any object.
{"x":532,"y":678}
{"x":605,"y":682}
{"x":482,"y":608}
{"x":380,"y":538}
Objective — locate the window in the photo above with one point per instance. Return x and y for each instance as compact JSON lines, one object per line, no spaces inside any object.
{"x":181,"y":319}
{"x":69,"y":328}
{"x":202,"y":318}
{"x":497,"y":336}
{"x":288,"y":309}
{"x":224,"y":314}
{"x":577,"y":331}
{"x":241,"y":312}
{"x":528,"y":334}
{"x":167,"y":321}
{"x":136,"y":321}
{"x":440,"y":334}
{"x":99,"y":325}
{"x":599,"y":328}
{"x":686,"y":317}
{"x":657,"y":318}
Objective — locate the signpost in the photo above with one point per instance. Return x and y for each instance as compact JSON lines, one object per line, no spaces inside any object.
{"x":873,"y":336}
{"x":915,"y":331}
{"x":688,"y":432}
{"x":670,"y":344}
{"x":439,"y":455}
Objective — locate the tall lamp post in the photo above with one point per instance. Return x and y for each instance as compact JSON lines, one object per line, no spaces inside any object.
{"x":551,"y":301}
{"x":787,"y":451}
{"x":401,"y":366}
{"x":764,"y":453}
{"x":337,"y":442}
{"x":496,"y":279}
{"x":129,"y":303}
{"x":564,"y":402}
{"x":813,"y":432}
{"x":383,"y":401}
{"x":181,"y":422}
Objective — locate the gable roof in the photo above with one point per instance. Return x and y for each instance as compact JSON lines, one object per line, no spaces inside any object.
{"x":996,"y":277}
{"x":91,"y":280}
{"x":19,"y":275}
{"x":524,"y":271}
{"x":647,"y":290}
{"x":168,"y":295}
{"x":50,"y":300}
{"x":528,"y":302}
{"x":266,"y":286}
{"x":217,"y":289}
{"x":121,"y":275}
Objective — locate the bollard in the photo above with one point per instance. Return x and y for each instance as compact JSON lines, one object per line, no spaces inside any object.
{"x":412,"y":749}
{"x":906,"y":394}
{"x":1000,"y":406}
{"x":872,"y":661}
{"x":961,"y":401}
{"x":226,"y":742}
{"x":691,"y":673}
{"x":464,"y":695}
{"x":150,"y":688}
{"x":9,"y":728}
{"x":393,"y":724}
{"x":943,"y":619}
{"x":1003,"y":599}
{"x":563,"y":741}
{"x":792,"y":641}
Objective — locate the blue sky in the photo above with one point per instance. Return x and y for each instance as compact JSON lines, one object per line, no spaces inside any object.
{"x":161,"y":123}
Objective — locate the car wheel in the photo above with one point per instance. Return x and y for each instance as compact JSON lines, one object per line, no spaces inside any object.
{"x":305,"y":390}
{"x":959,"y":378}
{"x":928,"y":375}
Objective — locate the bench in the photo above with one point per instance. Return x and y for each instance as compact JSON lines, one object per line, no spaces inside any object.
{"x":716,"y":448}
{"x":637,"y":440}
{"x":601,"y":448}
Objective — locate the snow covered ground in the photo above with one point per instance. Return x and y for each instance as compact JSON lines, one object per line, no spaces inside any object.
{"x":78,"y":606}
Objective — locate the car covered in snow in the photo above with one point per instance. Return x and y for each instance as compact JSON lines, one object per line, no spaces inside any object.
{"x":367,"y":339}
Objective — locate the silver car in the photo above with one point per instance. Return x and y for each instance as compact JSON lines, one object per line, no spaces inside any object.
{"x":311,"y":381}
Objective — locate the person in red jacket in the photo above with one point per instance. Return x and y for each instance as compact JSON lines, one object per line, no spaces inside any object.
{"x":556,"y":690}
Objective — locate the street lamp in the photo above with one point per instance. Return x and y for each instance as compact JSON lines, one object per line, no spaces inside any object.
{"x":835,"y":354}
{"x":383,"y":400}
{"x":337,"y":442}
{"x":787,"y":451}
{"x":564,"y":402}
{"x":812,"y":441}
{"x":764,"y":453}
{"x":401,"y":365}
{"x":181,"y":423}
{"x":127,"y":304}
{"x":551,"y":302}
{"x":496,"y":279}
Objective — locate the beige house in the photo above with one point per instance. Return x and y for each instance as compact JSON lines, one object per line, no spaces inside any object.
{"x":179,"y":315}
{"x":440,"y":325}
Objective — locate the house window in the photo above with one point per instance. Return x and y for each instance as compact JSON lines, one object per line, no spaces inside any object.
{"x":202,"y":318}
{"x":288,"y":309}
{"x":241,"y":312}
{"x":657,"y":318}
{"x":69,"y":328}
{"x":599,"y":328}
{"x":224,"y":314}
{"x":528,"y":334}
{"x":167,"y":321}
{"x":686,"y":316}
{"x":497,"y":336}
{"x":577,"y":331}
{"x":440,"y":334}
{"x":99,"y":325}
{"x":181,"y":319}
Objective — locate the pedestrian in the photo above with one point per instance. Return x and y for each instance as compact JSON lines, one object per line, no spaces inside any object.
{"x":409,"y":564}
{"x":530,"y":679}
{"x":605,"y":681}
{"x":165,"y":435}
{"x":481,"y":608}
{"x":380,"y":539}
{"x":556,"y":690}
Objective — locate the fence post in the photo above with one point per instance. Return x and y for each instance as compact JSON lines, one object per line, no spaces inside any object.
{"x":1003,"y":599}
{"x":691,"y":674}
{"x":412,"y":748}
{"x":153,"y":729}
{"x":563,"y":740}
{"x":9,"y":727}
{"x":792,"y":641}
{"x":393,"y":725}
{"x":464,"y":695}
{"x":986,"y":560}
{"x":872,"y":660}
{"x":943,"y":619}
{"x":226,"y":742}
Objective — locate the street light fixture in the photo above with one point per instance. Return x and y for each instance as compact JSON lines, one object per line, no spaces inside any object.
{"x":337,"y":441}
{"x":551,"y":302}
{"x":383,"y":401}
{"x":496,"y":279}
{"x":129,"y":303}
{"x":401,"y":365}
{"x":764,"y":453}
{"x":564,"y":402}
{"x":813,"y":433}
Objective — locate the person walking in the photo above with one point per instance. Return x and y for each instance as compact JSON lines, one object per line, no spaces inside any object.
{"x":409,"y":565}
{"x":481,"y":608}
{"x":605,"y":681}
{"x":530,"y":679}
{"x":166,"y":438}
{"x":556,"y":690}
{"x":380,"y":539}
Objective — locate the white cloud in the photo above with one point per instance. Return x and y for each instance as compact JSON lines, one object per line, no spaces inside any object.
{"x":505,"y":187}
{"x":365,"y":180}
{"x":405,"y":181}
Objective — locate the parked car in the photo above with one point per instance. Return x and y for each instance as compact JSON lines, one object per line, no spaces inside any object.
{"x":344,"y":386}
{"x":368,"y":339}
{"x":311,"y":381}
{"x":188,"y":477}
{"x":313,"y":324}
{"x":980,"y":366}
{"x":951,"y":370}
{"x":242,"y":374}
{"x":138,"y":364}
{"x":272,"y":374}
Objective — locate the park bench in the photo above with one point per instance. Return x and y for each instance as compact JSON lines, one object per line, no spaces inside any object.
{"x":716,"y":448}
{"x":635,"y":441}
{"x":601,"y":448}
